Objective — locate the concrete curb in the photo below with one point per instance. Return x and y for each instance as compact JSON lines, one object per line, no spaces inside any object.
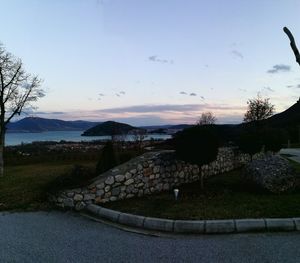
{"x":196,"y":226}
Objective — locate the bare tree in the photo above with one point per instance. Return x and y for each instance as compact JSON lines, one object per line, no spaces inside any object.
{"x":293,"y":44}
{"x":207,"y":118}
{"x":258,"y":109}
{"x":139,"y":135}
{"x":17,"y":90}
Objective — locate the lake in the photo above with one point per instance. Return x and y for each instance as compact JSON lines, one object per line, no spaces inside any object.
{"x":75,"y":136}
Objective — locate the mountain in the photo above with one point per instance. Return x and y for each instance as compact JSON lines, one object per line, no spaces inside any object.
{"x":287,"y":118}
{"x":109,"y":128}
{"x":287,"y":121}
{"x":35,"y":124}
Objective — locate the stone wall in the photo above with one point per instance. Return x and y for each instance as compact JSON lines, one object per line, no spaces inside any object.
{"x":147,"y":174}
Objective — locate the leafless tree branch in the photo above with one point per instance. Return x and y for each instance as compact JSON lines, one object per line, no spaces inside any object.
{"x":293,"y":44}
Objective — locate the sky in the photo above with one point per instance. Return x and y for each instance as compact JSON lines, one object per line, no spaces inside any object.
{"x":151,"y":62}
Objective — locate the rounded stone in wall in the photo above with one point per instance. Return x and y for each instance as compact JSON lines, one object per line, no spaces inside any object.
{"x":110,"y":180}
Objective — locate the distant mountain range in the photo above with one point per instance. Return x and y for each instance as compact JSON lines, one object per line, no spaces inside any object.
{"x":35,"y":124}
{"x":288,"y":120}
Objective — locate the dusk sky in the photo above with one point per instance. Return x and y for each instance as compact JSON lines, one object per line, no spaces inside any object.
{"x":150,"y":62}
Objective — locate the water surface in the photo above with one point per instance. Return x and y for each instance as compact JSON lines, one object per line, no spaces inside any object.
{"x":74,"y":136}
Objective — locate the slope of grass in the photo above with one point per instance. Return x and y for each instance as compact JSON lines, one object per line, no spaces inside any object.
{"x":23,"y":187}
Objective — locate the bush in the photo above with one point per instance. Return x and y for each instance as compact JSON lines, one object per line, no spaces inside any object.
{"x":250,"y":141}
{"x":78,"y":176}
{"x":108,"y":158}
{"x":255,"y":139}
{"x":197,"y":145}
{"x":273,"y":139}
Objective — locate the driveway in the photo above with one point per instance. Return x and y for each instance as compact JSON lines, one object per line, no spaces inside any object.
{"x":294,"y":152}
{"x":69,"y":237}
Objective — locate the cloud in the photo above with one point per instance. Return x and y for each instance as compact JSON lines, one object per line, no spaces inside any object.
{"x":171,"y":108}
{"x":160,"y":60}
{"x":268,"y":89}
{"x":243,"y":90}
{"x":293,"y":86}
{"x":101,"y":94}
{"x":202,"y":97}
{"x":237,"y":54}
{"x":185,"y":93}
{"x":28,"y":111}
{"x":279,"y":68}
{"x":121,"y":93}
{"x":154,"y":114}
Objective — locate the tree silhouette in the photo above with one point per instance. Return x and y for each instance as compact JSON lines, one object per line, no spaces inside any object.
{"x":17,"y":90}
{"x":258,"y":109}
{"x":207,"y":118}
{"x":293,"y":44}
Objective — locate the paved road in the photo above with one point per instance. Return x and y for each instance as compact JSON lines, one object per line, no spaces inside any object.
{"x":69,"y":237}
{"x":295,"y":152}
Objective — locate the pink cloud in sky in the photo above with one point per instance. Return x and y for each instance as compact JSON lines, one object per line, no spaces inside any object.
{"x":152,"y":114}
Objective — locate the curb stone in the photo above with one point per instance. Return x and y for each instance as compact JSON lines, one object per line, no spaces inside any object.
{"x":297,"y":223}
{"x":196,"y":226}
{"x":108,"y":214}
{"x":285,"y":224}
{"x":189,"y":226}
{"x":166,"y":225}
{"x":250,"y":225}
{"x":219,"y":226}
{"x":131,"y":220}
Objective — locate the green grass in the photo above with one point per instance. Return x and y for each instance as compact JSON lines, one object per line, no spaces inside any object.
{"x":225,"y":196}
{"x":23,"y":187}
{"x":28,"y":180}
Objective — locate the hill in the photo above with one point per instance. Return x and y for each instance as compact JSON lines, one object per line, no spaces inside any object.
{"x":288,"y":121}
{"x":109,"y":128}
{"x":289,"y":117}
{"x":35,"y":124}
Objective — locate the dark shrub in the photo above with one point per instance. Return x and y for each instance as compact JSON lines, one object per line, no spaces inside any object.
{"x":197,"y":145}
{"x":78,"y":176}
{"x":250,"y":141}
{"x":108,"y":158}
{"x":273,"y":139}
{"x":127,"y":155}
{"x":254,"y":139}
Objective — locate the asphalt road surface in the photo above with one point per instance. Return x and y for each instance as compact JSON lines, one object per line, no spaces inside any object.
{"x":293,"y":152}
{"x":69,"y":237}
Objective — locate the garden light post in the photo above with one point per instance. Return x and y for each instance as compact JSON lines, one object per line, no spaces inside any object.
{"x":176,"y":192}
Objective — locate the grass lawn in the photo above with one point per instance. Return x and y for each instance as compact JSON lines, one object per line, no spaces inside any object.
{"x":23,"y":187}
{"x":225,"y":196}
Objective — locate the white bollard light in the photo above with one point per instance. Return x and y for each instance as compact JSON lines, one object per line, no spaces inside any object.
{"x":176,"y":192}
